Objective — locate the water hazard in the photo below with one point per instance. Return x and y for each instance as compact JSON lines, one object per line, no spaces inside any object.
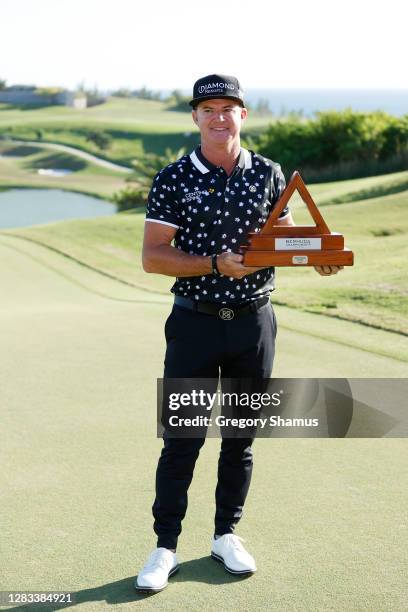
{"x":24,"y":207}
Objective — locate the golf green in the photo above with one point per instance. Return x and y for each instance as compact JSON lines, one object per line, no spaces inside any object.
{"x":80,"y":354}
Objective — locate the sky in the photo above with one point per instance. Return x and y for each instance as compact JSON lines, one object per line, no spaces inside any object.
{"x":169,"y":44}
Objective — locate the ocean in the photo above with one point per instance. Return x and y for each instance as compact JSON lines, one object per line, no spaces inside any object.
{"x":282,"y":101}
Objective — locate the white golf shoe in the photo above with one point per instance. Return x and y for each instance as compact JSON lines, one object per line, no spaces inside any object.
{"x":161,"y":564}
{"x":228,"y":550}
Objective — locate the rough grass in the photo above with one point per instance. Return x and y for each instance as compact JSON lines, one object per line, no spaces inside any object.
{"x":372,"y":292}
{"x":341,"y":192}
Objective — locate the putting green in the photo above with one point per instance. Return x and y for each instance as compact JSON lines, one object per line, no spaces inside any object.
{"x":80,"y":353}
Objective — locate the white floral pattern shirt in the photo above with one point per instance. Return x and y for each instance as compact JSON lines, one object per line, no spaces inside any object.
{"x":214,"y":213}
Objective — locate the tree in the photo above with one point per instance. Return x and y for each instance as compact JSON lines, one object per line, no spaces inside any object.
{"x":122,"y":92}
{"x":135,"y":195}
{"x":3,"y":84}
{"x":178,"y":102}
{"x":99,"y":138}
{"x":262,"y":107}
{"x":146,"y":94}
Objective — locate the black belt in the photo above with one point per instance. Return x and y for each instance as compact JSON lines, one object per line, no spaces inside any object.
{"x":226,"y":313}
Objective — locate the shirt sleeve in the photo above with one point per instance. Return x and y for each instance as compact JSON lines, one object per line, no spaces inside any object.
{"x":162,"y":205}
{"x":278,"y":184}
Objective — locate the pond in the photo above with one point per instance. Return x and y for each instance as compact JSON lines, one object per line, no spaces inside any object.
{"x":23,"y":207}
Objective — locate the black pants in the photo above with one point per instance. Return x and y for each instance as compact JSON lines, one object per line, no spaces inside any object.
{"x":204,"y":346}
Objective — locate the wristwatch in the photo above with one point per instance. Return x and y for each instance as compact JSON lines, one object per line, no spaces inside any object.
{"x":215,"y":269}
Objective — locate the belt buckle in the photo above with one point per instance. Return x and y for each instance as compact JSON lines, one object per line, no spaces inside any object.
{"x":226,"y":314}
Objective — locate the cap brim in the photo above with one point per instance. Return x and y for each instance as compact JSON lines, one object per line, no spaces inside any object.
{"x":196,"y":101}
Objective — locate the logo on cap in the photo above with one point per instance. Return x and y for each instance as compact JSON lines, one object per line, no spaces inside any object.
{"x":208,"y":87}
{"x":217,"y":86}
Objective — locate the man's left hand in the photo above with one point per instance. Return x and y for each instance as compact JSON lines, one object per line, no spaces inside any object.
{"x":328,"y":270}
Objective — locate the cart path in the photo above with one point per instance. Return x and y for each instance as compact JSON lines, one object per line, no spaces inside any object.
{"x":76,"y":152}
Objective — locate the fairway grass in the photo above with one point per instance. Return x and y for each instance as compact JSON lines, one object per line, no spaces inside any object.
{"x":136,"y":126}
{"x":80,"y":352}
{"x":19,"y":167}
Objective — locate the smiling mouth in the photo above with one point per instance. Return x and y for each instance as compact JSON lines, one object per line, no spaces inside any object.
{"x":220,"y":129}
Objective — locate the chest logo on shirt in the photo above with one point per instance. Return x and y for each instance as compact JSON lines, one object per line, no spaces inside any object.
{"x":195,"y":195}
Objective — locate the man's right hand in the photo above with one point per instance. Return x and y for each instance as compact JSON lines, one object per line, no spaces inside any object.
{"x":230,"y":264}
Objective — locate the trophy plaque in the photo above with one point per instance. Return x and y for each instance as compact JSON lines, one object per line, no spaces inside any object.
{"x":299,"y":245}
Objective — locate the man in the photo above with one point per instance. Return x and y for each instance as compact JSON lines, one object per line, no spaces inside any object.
{"x":222,"y":322}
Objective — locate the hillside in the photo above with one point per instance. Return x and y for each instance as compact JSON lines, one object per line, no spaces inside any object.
{"x":136,"y":126}
{"x":373,"y":292}
{"x":19,"y":166}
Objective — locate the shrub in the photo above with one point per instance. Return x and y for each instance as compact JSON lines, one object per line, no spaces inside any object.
{"x":361,"y":142}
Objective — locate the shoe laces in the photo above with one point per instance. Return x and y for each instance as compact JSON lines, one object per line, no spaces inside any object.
{"x":234,"y":541}
{"x":158,"y":559}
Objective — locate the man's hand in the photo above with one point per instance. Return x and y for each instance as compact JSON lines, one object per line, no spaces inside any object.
{"x":230,"y":264}
{"x":328,"y":270}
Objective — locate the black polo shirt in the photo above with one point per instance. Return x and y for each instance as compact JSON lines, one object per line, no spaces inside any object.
{"x":214,"y":213}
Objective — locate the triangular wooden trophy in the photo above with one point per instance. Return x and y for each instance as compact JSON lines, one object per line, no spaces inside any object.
{"x":300,"y":245}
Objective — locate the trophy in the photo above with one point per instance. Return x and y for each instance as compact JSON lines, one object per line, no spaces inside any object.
{"x":300,"y":245}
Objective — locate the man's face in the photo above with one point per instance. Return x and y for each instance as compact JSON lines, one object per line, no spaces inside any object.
{"x":219,"y":120}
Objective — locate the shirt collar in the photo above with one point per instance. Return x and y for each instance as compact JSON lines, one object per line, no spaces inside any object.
{"x":204,"y":165}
